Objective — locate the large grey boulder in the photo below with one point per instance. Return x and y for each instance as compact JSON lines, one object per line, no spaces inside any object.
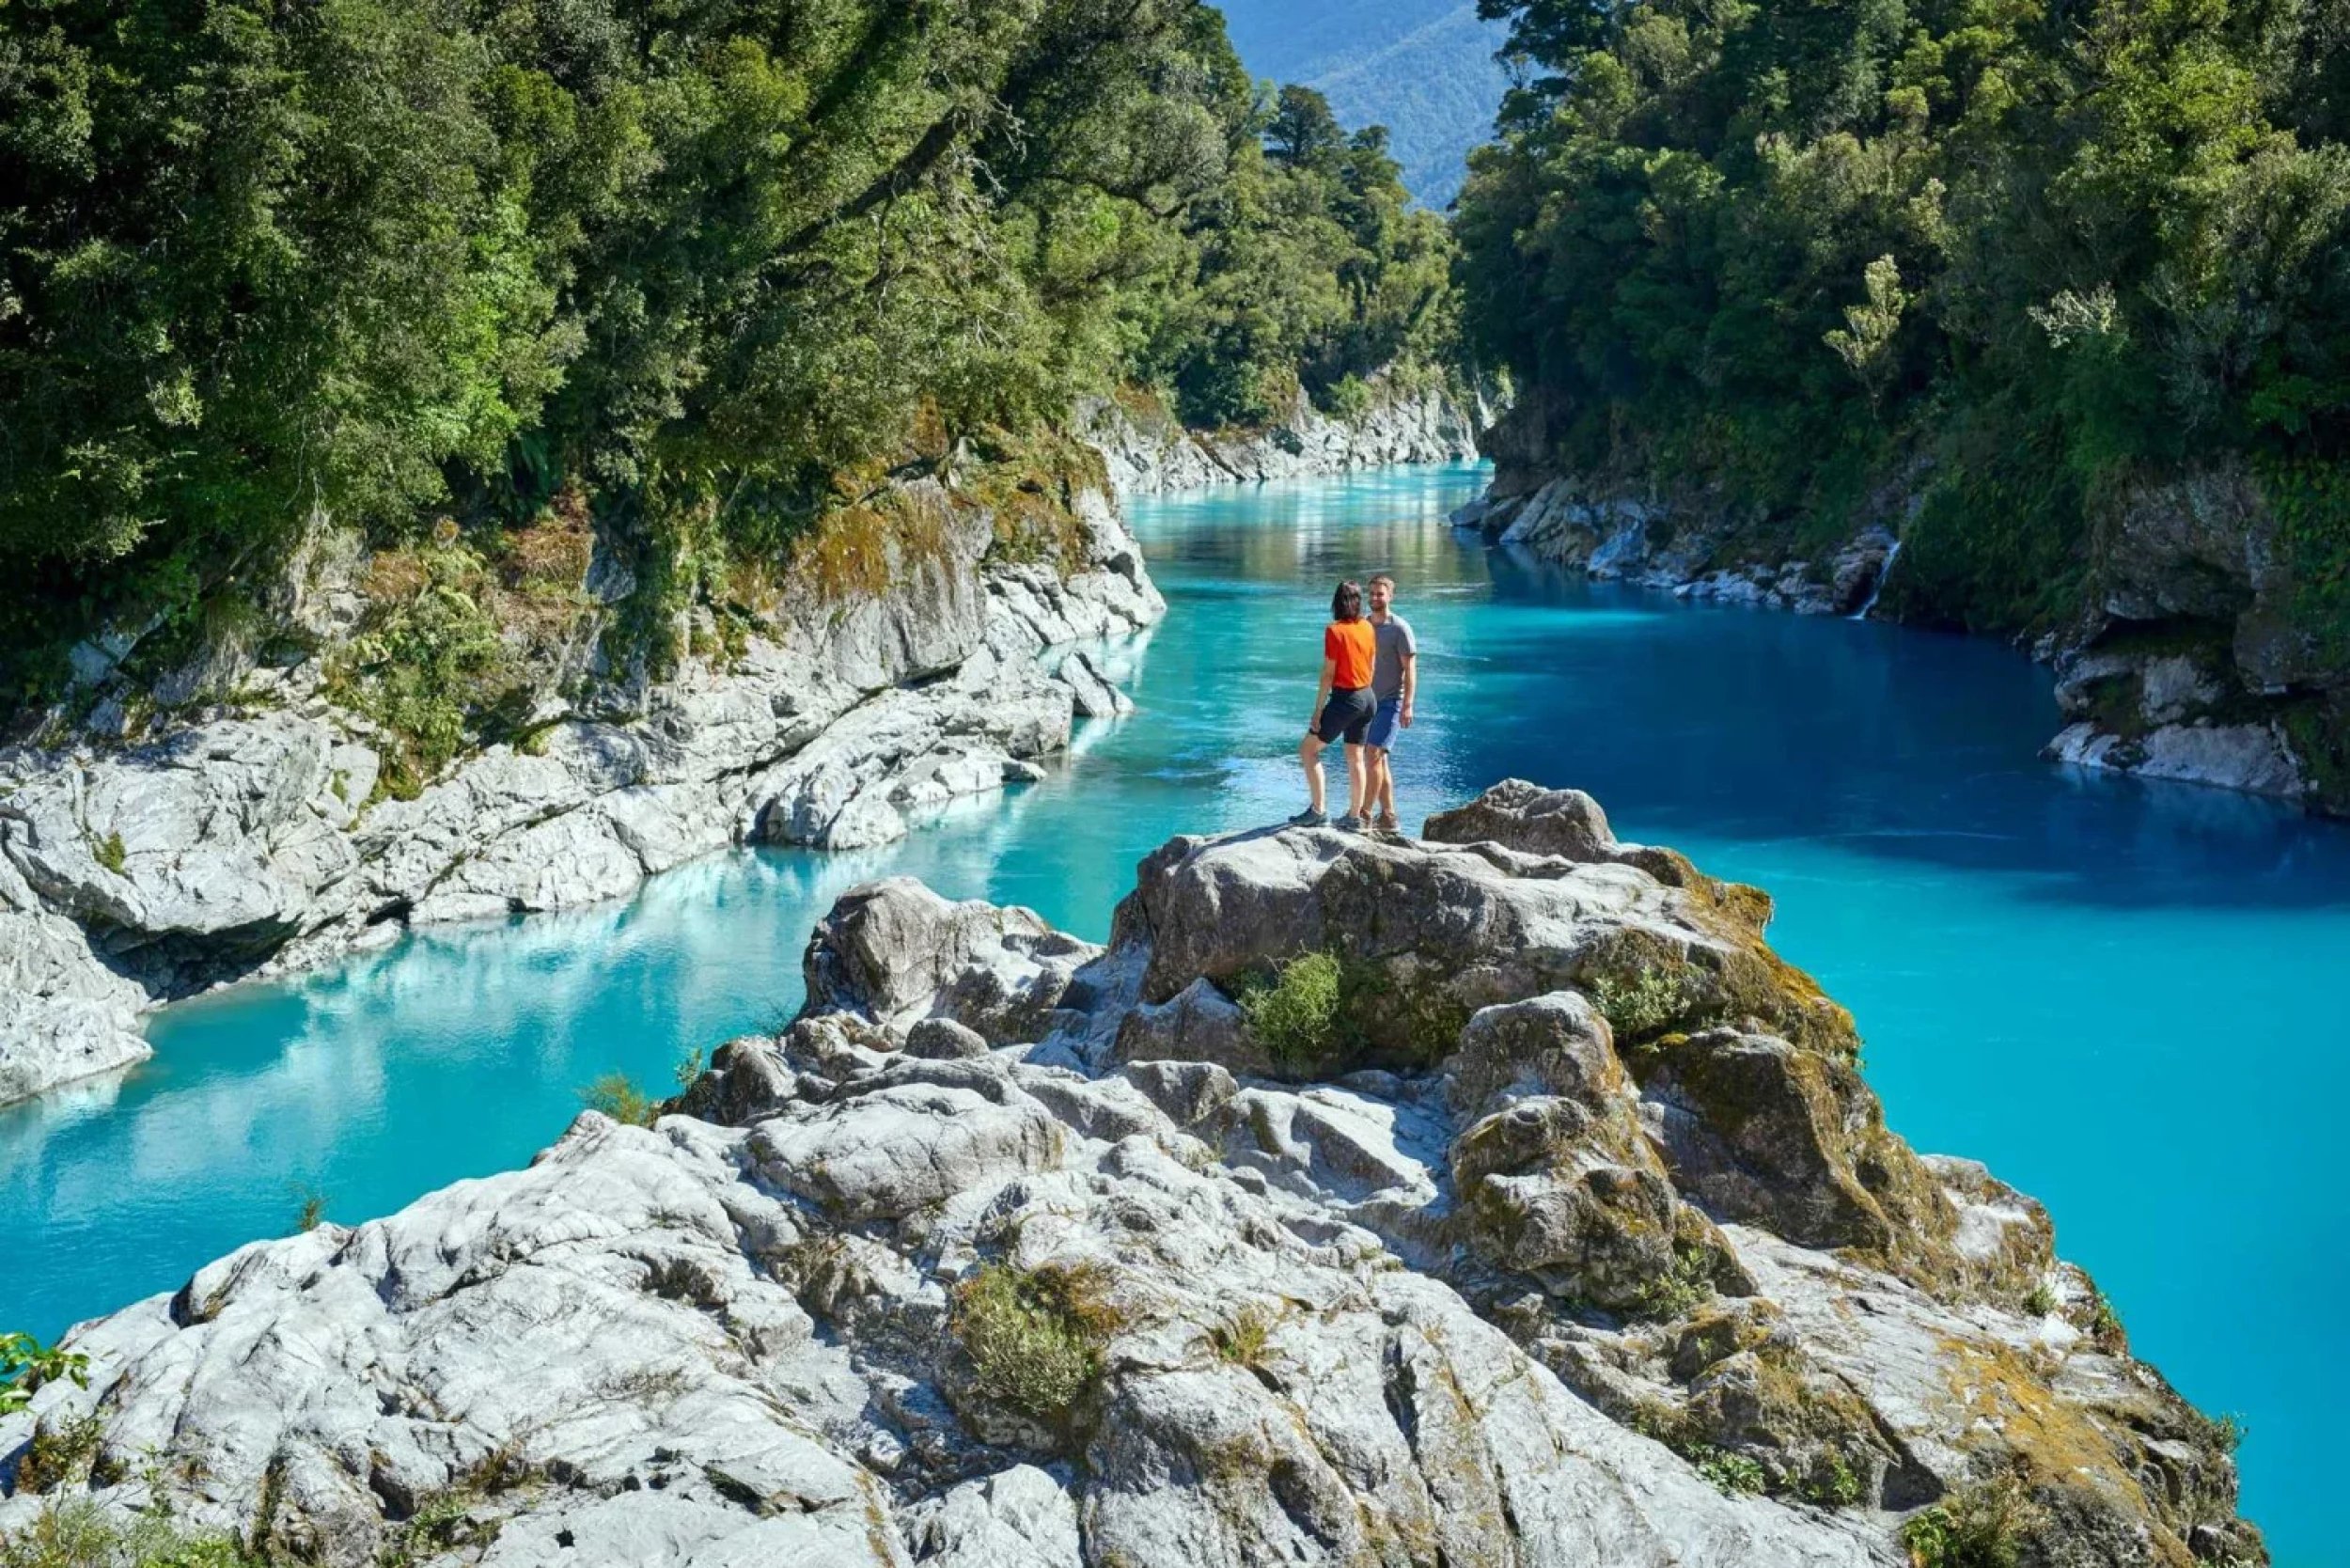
{"x":64,"y":1013}
{"x":896,"y":952}
{"x":219,"y":833}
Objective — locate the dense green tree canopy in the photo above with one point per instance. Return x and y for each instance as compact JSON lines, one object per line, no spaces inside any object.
{"x":380,"y":258}
{"x":2021,"y":248}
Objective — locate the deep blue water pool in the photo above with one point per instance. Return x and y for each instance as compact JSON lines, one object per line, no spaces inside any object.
{"x":2126,"y":999}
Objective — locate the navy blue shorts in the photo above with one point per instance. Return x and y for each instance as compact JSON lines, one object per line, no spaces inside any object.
{"x":1383,"y":722}
{"x":1348,"y":714}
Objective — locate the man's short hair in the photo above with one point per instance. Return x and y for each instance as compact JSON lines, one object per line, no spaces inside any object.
{"x":1377,"y":577}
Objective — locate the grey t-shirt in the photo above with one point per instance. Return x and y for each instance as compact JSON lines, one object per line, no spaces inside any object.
{"x":1395,"y":645}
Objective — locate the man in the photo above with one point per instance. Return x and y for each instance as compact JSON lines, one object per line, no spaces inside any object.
{"x":1394,"y":680}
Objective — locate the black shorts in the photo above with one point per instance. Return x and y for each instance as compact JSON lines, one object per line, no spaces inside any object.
{"x":1347,"y":712}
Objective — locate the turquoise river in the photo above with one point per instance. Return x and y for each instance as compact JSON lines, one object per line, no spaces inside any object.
{"x":2126,"y":999}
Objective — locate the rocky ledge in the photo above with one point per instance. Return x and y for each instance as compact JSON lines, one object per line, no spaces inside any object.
{"x":1618,"y":539}
{"x":1497,"y":1198}
{"x":1147,"y":450}
{"x":252,"y":845}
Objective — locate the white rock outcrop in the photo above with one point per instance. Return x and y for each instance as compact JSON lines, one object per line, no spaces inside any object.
{"x":240,"y":847}
{"x":1054,"y":1303}
{"x":1148,"y":452}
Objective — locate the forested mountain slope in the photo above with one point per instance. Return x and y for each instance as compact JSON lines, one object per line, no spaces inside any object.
{"x":1425,"y":68}
{"x":690,"y":281}
{"x":2057,"y":293}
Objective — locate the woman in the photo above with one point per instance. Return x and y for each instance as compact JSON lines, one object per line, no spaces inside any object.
{"x":1342,"y":706}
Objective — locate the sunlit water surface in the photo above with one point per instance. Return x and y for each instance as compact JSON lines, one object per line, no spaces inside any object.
{"x":2125,"y":998}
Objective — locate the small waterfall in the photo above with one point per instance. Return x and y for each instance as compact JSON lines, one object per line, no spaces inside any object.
{"x":1891,"y":555}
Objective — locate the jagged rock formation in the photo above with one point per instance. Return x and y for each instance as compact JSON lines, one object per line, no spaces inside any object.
{"x":1570,"y":1233}
{"x":1147,"y":450}
{"x":246,"y":844}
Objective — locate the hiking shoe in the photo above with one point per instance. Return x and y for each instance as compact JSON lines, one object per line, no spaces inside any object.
{"x":1349,"y":824}
{"x":1310,"y":818}
{"x":1386,"y":823}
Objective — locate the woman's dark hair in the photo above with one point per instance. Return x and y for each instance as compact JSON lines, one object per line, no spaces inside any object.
{"x":1347,"y":603}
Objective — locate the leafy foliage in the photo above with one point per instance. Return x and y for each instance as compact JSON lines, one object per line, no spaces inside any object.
{"x":1781,"y":255}
{"x":83,"y":1535}
{"x":1729,"y":1472}
{"x":1689,"y":1283}
{"x":1638,"y":1004}
{"x":615,"y":1095}
{"x":1034,"y":1336}
{"x":392,"y":261}
{"x":1981,"y":1527}
{"x":25,"y":1364}
{"x":1295,"y":1014}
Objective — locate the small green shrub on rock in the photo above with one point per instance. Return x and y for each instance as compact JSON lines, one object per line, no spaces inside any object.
{"x":2104,"y":1324}
{"x":1641,"y":1004}
{"x":617,"y":1095}
{"x":1982,"y":1526}
{"x":309,"y":1209}
{"x":1295,"y":1013}
{"x":1034,"y":1336}
{"x":1320,"y":1012}
{"x":1689,"y":1281}
{"x":1729,"y":1472}
{"x":1243,"y":1341}
{"x":1832,"y":1484}
{"x":80,"y":1534}
{"x":58,"y":1454}
{"x":110,"y":853}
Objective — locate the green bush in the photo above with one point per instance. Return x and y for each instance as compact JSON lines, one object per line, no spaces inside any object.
{"x":1687,"y":1284}
{"x":59,"y":1453}
{"x":1729,"y":1472}
{"x":1981,"y":1526}
{"x":1347,"y":399}
{"x":81,"y":1534}
{"x":25,"y":1364}
{"x":1243,"y":1340}
{"x":1640,"y":1005}
{"x":1034,"y":1337}
{"x":1295,"y":1014}
{"x":615,"y":1095}
{"x":309,"y":1209}
{"x":1833,"y":1482}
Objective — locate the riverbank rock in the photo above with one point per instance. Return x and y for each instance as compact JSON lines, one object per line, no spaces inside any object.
{"x":1147,"y":450}
{"x":257,"y":844}
{"x":1597,"y":1261}
{"x":2197,"y":647}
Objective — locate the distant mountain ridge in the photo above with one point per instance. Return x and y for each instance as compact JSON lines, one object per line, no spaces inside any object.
{"x":1425,"y":68}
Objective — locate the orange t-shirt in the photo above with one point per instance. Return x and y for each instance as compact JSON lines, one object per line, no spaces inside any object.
{"x":1355,"y":648}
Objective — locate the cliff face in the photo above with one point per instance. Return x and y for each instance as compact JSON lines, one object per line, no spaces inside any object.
{"x":1558,"y":1228}
{"x":2190,"y":649}
{"x":1146,"y":451}
{"x":255,"y":834}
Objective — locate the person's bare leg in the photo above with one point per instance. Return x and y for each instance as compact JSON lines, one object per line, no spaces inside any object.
{"x":1309,"y":757}
{"x":1385,"y":771}
{"x":1357,"y":780}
